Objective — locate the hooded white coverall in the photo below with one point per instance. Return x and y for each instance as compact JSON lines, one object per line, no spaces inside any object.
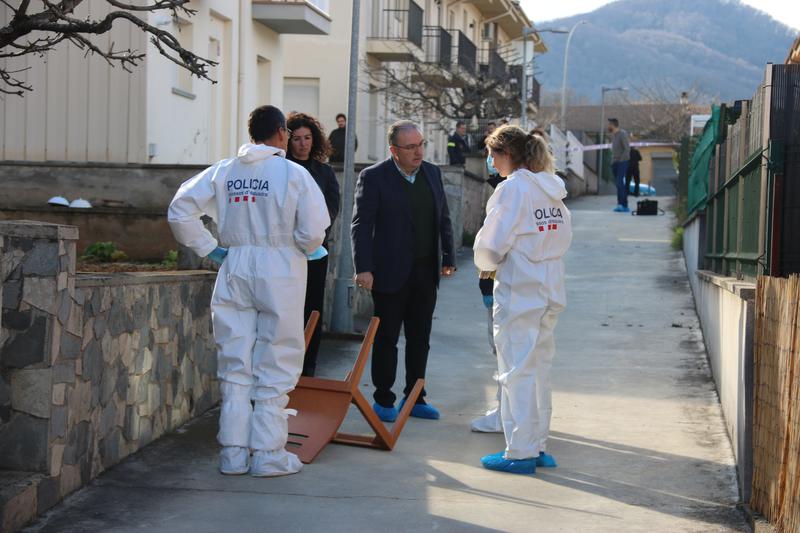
{"x":526,"y":232}
{"x":270,"y":214}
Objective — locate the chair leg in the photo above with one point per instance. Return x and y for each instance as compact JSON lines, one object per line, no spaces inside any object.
{"x":383,"y":439}
{"x":311,"y":326}
{"x":402,"y":418}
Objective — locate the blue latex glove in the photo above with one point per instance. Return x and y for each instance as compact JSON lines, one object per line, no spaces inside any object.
{"x":319,"y":253}
{"x":488,"y":301}
{"x":218,"y":255}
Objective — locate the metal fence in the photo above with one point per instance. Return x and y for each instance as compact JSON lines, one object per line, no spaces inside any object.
{"x":753,"y":199}
{"x":736,"y":214}
{"x":785,"y":168}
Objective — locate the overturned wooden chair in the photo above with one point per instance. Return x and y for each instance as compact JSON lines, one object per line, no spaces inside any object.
{"x":322,"y":405}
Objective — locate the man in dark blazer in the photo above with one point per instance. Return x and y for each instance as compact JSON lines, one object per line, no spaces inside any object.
{"x":402,"y":243}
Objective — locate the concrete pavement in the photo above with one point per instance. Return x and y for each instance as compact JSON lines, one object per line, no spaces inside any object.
{"x":637,"y":426}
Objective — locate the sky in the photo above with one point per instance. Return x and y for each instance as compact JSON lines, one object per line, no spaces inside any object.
{"x":786,"y":11}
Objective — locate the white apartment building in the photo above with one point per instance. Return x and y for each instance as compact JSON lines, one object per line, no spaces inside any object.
{"x":290,"y":53}
{"x":469,"y":37}
{"x":81,"y":109}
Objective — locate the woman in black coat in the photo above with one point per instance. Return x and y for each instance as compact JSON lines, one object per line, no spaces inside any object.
{"x":309,"y":148}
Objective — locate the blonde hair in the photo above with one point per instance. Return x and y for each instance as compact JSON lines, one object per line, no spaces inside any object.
{"x":529,"y":150}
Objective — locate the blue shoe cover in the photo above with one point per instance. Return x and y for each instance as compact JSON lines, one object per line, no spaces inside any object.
{"x":387,"y":414}
{"x":423,"y":410}
{"x":498,"y":463}
{"x":625,"y":209}
{"x":546,"y":461}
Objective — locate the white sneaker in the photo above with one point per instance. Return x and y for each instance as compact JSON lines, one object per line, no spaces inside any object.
{"x":273,"y":464}
{"x":233,"y":460}
{"x":489,"y":423}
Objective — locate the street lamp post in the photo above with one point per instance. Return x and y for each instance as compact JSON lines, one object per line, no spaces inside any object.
{"x":600,"y":165}
{"x":342,"y":316}
{"x":523,"y":97}
{"x":564,"y":76}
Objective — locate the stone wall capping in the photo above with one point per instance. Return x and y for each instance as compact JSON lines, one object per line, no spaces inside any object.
{"x":33,"y":229}
{"x":746,"y":290}
{"x":116,"y":279}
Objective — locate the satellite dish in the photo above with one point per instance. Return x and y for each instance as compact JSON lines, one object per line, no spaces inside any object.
{"x":58,"y":200}
{"x":80,"y":203}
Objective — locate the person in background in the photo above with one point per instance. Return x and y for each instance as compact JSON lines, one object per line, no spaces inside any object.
{"x":309,"y":148}
{"x":633,"y":171}
{"x":271,"y":215}
{"x":620,"y":154}
{"x":490,"y":127}
{"x":526,"y":232}
{"x":338,"y":139}
{"x":402,"y":243}
{"x":457,"y":146}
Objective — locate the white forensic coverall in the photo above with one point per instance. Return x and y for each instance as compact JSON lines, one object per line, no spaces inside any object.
{"x":526,"y":232}
{"x":270,"y":213}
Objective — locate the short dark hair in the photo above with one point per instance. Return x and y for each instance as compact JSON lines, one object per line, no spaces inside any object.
{"x":491,"y":123}
{"x":264,"y":122}
{"x":614,"y":121}
{"x":460,"y":123}
{"x":341,"y":115}
{"x":320,"y":147}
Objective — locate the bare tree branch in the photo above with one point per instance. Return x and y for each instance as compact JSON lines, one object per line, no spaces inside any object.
{"x":445,"y":90}
{"x":57,"y":24}
{"x":9,"y":84}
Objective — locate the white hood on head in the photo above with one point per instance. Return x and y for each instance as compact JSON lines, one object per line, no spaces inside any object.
{"x":552,"y":185}
{"x":250,"y":153}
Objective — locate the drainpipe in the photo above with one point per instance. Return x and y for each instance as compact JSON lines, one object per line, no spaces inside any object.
{"x":239,"y":74}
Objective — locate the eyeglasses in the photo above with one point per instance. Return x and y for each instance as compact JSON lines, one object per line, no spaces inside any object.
{"x":287,"y":130}
{"x":411,"y":147}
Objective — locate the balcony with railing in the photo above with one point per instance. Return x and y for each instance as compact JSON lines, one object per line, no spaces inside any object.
{"x":436,"y":67}
{"x":515,"y":77}
{"x":515,"y":73}
{"x":534,"y":90}
{"x":397,"y":31}
{"x":308,"y":17}
{"x":438,"y":46}
{"x":492,"y":64}
{"x":465,"y":53}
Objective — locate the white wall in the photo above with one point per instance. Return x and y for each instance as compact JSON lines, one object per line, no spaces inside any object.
{"x":80,"y":108}
{"x":210,"y":122}
{"x":259,"y":41}
{"x":326,"y":58}
{"x":726,"y":309}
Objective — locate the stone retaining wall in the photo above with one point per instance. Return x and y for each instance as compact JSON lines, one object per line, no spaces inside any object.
{"x":146,"y":187}
{"x":130,"y":229}
{"x":38,"y":273}
{"x":143,"y":363}
{"x":93,"y":367}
